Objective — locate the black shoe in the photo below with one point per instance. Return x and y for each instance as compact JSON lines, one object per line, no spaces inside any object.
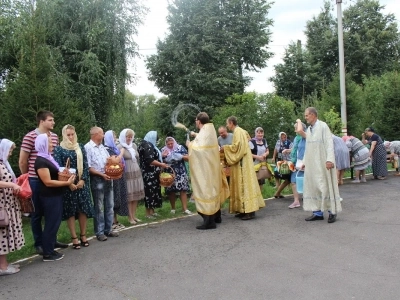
{"x":239,"y":215}
{"x":332,"y":218}
{"x":314,"y":218}
{"x":248,"y":216}
{"x":60,"y":245}
{"x":218,"y":220}
{"x":205,"y":227}
{"x":53,"y":257}
{"x":39,"y":250}
{"x":217,"y":217}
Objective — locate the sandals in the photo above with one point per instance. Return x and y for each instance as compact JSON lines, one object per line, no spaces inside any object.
{"x":9,"y":271}
{"x":75,"y":246}
{"x":280,"y":196}
{"x":84,"y":243}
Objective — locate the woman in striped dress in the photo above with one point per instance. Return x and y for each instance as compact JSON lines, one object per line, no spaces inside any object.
{"x":377,"y":152}
{"x":342,"y":157}
{"x":360,"y":156}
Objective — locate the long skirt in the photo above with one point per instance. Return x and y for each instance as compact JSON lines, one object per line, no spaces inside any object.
{"x":379,"y":165}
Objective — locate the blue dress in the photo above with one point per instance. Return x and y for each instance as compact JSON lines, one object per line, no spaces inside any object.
{"x":79,"y":201}
{"x":181,"y":182}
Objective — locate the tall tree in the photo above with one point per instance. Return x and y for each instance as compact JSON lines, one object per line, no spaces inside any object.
{"x":211,"y":45}
{"x":371,"y":39}
{"x":295,"y":77}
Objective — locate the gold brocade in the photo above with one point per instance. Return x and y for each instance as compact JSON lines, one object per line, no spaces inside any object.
{"x":245,"y":192}
{"x":209,"y":184}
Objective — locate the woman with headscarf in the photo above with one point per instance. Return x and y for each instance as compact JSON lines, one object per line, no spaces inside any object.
{"x":118,"y":185}
{"x":360,"y":156}
{"x":281,"y":153}
{"x":175,"y":155}
{"x":11,"y":236}
{"x":296,"y":156}
{"x":150,"y":161}
{"x":51,"y":191}
{"x":77,"y":201}
{"x":342,"y":157}
{"x":394,"y":148}
{"x":377,"y":152}
{"x":133,"y":175}
{"x":259,"y":150}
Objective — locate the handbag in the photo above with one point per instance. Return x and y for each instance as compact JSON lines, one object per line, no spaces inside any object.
{"x":25,"y":194}
{"x":25,"y":191}
{"x":3,"y":213}
{"x":263,"y":173}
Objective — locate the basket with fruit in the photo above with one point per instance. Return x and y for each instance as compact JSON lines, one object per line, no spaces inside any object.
{"x":167,"y":179}
{"x":114,"y":167}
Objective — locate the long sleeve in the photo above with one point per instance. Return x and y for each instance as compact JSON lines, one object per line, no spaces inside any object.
{"x":239,"y":147}
{"x":328,"y":143}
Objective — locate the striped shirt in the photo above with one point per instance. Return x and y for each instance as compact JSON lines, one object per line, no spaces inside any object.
{"x":28,"y":145}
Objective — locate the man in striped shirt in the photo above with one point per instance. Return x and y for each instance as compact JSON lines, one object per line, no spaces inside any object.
{"x":27,"y":157}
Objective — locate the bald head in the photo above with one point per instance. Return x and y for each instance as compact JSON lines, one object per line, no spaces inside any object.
{"x":96,"y":135}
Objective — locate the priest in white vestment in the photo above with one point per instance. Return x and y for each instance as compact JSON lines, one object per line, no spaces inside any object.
{"x":321,"y":192}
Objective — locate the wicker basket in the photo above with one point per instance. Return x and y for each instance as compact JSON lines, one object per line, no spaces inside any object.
{"x":114,"y":171}
{"x":167,"y":181}
{"x":65,"y":174}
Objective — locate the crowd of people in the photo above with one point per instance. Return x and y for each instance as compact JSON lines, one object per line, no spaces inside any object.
{"x":227,"y":166}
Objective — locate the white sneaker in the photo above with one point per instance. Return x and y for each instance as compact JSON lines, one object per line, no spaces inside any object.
{"x":172,"y":211}
{"x":363,"y":180}
{"x":188,"y":212}
{"x":356,"y":181}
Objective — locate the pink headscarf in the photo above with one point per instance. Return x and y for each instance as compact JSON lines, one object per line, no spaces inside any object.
{"x":347,"y":137}
{"x":42,"y":147}
{"x":174,"y":146}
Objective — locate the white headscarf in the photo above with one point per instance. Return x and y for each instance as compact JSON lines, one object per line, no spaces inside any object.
{"x":5,"y":147}
{"x":122,"y":141}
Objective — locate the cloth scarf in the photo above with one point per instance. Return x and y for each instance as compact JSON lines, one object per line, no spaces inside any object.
{"x":174,"y":147}
{"x":109,"y":141}
{"x":42,"y":148}
{"x":151,"y":137}
{"x":122,"y":141}
{"x":73,"y":146}
{"x":5,"y":147}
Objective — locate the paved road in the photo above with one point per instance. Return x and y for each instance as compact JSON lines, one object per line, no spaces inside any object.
{"x":275,"y":256}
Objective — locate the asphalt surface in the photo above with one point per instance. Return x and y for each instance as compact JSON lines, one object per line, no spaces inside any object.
{"x":278,"y":255}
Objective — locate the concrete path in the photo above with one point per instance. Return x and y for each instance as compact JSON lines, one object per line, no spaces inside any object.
{"x":275,"y":256}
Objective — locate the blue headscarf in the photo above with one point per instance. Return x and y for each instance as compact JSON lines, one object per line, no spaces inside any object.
{"x":151,"y":137}
{"x":110,"y":143}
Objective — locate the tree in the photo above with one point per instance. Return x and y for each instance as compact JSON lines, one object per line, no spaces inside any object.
{"x":271,"y":112}
{"x":212,"y":43}
{"x":371,"y":39}
{"x":382,"y":97}
{"x":295,"y":78}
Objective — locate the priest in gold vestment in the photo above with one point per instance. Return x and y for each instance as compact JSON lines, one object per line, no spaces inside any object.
{"x":246,"y":196}
{"x":209,"y":184}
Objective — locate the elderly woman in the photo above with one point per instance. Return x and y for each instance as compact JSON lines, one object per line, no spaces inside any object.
{"x":51,"y":191}
{"x":133,"y":175}
{"x":150,"y":161}
{"x":342,"y":157}
{"x":77,"y":201}
{"x":282,"y":151}
{"x":296,"y":156}
{"x":259,"y":150}
{"x":176,"y":155}
{"x":360,"y":157}
{"x":11,"y":236}
{"x":377,"y":152}
{"x":394,"y":148}
{"x":119,"y":187}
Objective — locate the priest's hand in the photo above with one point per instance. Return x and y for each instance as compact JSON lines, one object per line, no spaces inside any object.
{"x":329,"y":165}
